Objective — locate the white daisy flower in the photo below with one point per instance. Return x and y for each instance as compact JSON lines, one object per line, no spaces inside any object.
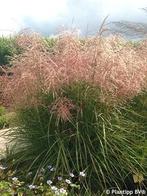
{"x":68,"y":181}
{"x":71,"y":175}
{"x":2,"y":167}
{"x":49,"y":167}
{"x":59,"y":178}
{"x":82,"y":174}
{"x":49,"y":182}
{"x":31,"y":186}
{"x":63,"y":191}
{"x":52,"y":169}
{"x":57,"y":192}
{"x":54,"y":188}
{"x":14,"y":179}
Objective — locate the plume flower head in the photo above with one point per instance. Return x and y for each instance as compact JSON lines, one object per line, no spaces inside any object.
{"x":110,"y":63}
{"x":62,"y":108}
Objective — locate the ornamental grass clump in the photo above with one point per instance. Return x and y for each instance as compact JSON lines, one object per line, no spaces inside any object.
{"x":74,"y":131}
{"x":69,"y":105}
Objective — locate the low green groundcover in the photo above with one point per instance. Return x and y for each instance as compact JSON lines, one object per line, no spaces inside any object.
{"x":11,"y":184}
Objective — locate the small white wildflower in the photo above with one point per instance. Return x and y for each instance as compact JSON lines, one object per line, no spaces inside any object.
{"x":14,"y":179}
{"x":82,"y":174}
{"x":57,"y":192}
{"x":31,"y":186}
{"x":63,"y":191}
{"x":71,"y":175}
{"x":49,"y":167}
{"x":68,"y":181}
{"x":42,"y":170}
{"x":49,"y":182}
{"x":54,"y":188}
{"x":59,"y":178}
{"x":52,"y":169}
{"x":2,"y":167}
{"x":30,"y":173}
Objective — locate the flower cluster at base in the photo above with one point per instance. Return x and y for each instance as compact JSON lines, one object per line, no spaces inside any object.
{"x":60,"y":191}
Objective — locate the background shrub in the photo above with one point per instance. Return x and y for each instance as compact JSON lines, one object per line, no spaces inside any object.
{"x":7,"y":118}
{"x":50,"y":43}
{"x":2,"y":110}
{"x":3,"y":120}
{"x":8,"y":48}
